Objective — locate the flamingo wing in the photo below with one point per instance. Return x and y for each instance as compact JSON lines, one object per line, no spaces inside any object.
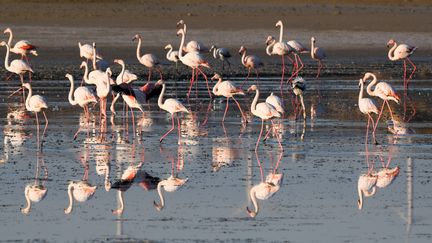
{"x":24,"y":45}
{"x":297,"y":46}
{"x":38,"y":102}
{"x":19,"y":66}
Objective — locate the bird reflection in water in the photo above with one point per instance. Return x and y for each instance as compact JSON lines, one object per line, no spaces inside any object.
{"x":223,"y":154}
{"x":14,"y":134}
{"x":36,"y":191}
{"x":102,"y":159}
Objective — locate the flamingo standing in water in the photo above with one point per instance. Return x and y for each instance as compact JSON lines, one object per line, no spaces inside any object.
{"x":222,"y":54}
{"x":279,"y":48}
{"x":193,"y":60}
{"x":298,"y":48}
{"x":22,"y":47}
{"x":172,"y":56}
{"x":276,"y":102}
{"x":265,"y":111}
{"x":148,"y":60}
{"x":382,"y":90}
{"x":250,"y":62}
{"x":299,"y":86}
{"x":191,"y":46}
{"x":317,"y":54}
{"x":172,"y":106}
{"x":228,"y":90}
{"x":81,"y":96}
{"x":97,"y":61}
{"x":86,"y":51}
{"x":36,"y":104}
{"x":367,"y":106}
{"x":125,"y":75}
{"x":402,"y":52}
{"x":17,"y":66}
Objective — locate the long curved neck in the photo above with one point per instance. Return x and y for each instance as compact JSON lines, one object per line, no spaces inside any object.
{"x":86,"y":72}
{"x":243,"y":59}
{"x":214,"y":52}
{"x":7,"y":57}
{"x":94,"y":58}
{"x":181,"y":45}
{"x":27,"y":103}
{"x":68,"y":210}
{"x":122,"y":72}
{"x":268,"y":51}
{"x":361,"y":92}
{"x":70,"y":97}
{"x":254,"y":200}
{"x":215,"y":88}
{"x":26,"y":210}
{"x":10,"y":38}
{"x":369,"y":87}
{"x":138,"y":51}
{"x":160,"y":103}
{"x":281,"y":32}
{"x":121,"y":201}
{"x":168,"y":55}
{"x":391,"y":52}
{"x":255,"y":101}
{"x":159,"y":189}
{"x":312,"y":49}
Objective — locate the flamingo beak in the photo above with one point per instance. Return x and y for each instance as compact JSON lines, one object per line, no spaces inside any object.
{"x":157,"y":206}
{"x":251,"y":213}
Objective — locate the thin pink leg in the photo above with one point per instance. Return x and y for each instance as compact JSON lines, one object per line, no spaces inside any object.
{"x":283,"y":72}
{"x":247,"y":78}
{"x":241,"y":111}
{"x":179,"y":130}
{"x":259,"y":137}
{"x":412,"y":73}
{"x":277,"y":137}
{"x":37,"y":131}
{"x":267,"y":134}
{"x":160,"y":73}
{"x":404,"y":76}
{"x":373,"y":132}
{"x":379,"y":116}
{"x":367,"y":130}
{"x":319,"y":69}
{"x":260,"y":166}
{"x":133,"y":121}
{"x":191,"y":82}
{"x":149,"y":75}
{"x":205,"y":77}
{"x":46,"y":125}
{"x":391,"y":112}
{"x":226,"y":109}
{"x":172,"y":128}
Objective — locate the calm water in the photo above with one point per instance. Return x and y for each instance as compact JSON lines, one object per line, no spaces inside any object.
{"x":317,"y":200}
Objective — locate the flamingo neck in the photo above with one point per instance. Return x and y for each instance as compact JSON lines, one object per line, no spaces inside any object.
{"x":361,"y":92}
{"x":26,"y":210}
{"x":86,"y":73}
{"x":113,"y":103}
{"x":312,"y":50}
{"x":70,"y":97}
{"x":254,"y":200}
{"x":27,"y":103}
{"x":7,"y":66}
{"x":216,"y":87}
{"x":68,"y":210}
{"x":243,"y":59}
{"x":168,"y":55}
{"x":94,"y":58}
{"x":369,"y":87}
{"x":281,"y":32}
{"x":254,"y":102}
{"x":121,"y":201}
{"x":160,"y":103}
{"x":268,"y":51}
{"x":138,"y":50}
{"x":181,"y":45}
{"x":10,"y":38}
{"x":159,"y":189}
{"x":122,"y":72}
{"x":214,"y":53}
{"x":390,"y":54}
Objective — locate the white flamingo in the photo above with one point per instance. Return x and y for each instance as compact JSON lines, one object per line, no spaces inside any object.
{"x":103,"y":89}
{"x":193,"y":60}
{"x":191,"y":46}
{"x":86,"y":51}
{"x":171,"y":184}
{"x":33,"y":193}
{"x":276,"y":102}
{"x":402,"y":52}
{"x":148,"y":60}
{"x":263,"y":191}
{"x":81,"y":191}
{"x":318,"y":55}
{"x":365,"y":187}
{"x":228,"y":90}
{"x":125,"y":75}
{"x":367,"y":106}
{"x":222,"y":54}
{"x":250,"y":62}
{"x":17,"y":66}
{"x":385,"y":176}
{"x":172,"y":106}
{"x":172,"y":56}
{"x":22,"y":47}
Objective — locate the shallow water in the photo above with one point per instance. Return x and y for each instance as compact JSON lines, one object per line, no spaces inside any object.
{"x":317,"y":200}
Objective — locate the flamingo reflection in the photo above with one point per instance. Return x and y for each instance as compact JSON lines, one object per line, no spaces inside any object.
{"x":36,"y":191}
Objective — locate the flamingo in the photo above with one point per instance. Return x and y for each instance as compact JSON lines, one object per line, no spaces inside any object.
{"x":222,"y":54}
{"x":263,"y":191}
{"x":17,"y":66}
{"x":172,"y":56}
{"x":385,"y":176}
{"x":382,"y":90}
{"x":80,"y":191}
{"x":86,"y":51}
{"x":318,"y":55}
{"x":193,"y":60}
{"x":298,"y":48}
{"x":81,"y":96}
{"x":299,"y":86}
{"x":281,"y":49}
{"x":276,"y":102}
{"x":103,"y":88}
{"x":97,"y":61}
{"x":94,"y":76}
{"x":36,"y":104}
{"x":265,"y":111}
{"x":191,"y":46}
{"x":125,"y":75}
{"x":365,"y":187}
{"x":367,"y":106}
{"x":402,"y":52}
{"x":228,"y":90}
{"x":148,"y":60}
{"x":22,"y":47}
{"x":34,"y":193}
{"x":250,"y":62}
{"x":172,"y":106}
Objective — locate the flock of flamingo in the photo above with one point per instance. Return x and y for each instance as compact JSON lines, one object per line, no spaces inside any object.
{"x":192,"y":55}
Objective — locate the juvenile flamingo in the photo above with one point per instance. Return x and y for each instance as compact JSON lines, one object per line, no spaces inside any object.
{"x":222,"y":54}
{"x":191,"y":46}
{"x":228,"y":90}
{"x":148,"y":60}
{"x":193,"y":60}
{"x":265,"y":111}
{"x":17,"y":66}
{"x":172,"y":106}
{"x":382,"y":90}
{"x":318,"y":55}
{"x":22,"y":47}
{"x":36,"y":104}
{"x":299,"y":86}
{"x":172,"y":56}
{"x":81,"y":96}
{"x":250,"y":62}
{"x":367,"y":106}
{"x":402,"y":52}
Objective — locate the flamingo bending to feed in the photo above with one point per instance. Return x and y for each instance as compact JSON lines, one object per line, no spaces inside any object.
{"x":318,"y":55}
{"x":22,"y":47}
{"x":193,"y":60}
{"x":367,"y":106}
{"x":81,"y":96}
{"x":299,"y":86}
{"x":148,"y":60}
{"x":80,"y":191}
{"x":228,"y":90}
{"x":402,"y":52}
{"x":281,"y":49}
{"x":17,"y":66}
{"x":172,"y":106}
{"x":222,"y":54}
{"x":34,"y":193}
{"x":365,"y":187}
{"x":250,"y":62}
{"x":382,"y":90}
{"x":191,"y":46}
{"x":86,"y":51}
{"x":36,"y":104}
{"x":265,"y":111}
{"x":125,"y":75}
{"x":172,"y":56}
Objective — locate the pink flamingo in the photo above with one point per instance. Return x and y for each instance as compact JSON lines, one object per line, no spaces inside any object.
{"x":172,"y":56}
{"x":382,"y":90}
{"x":86,"y":51}
{"x":250,"y":62}
{"x":148,"y":60}
{"x":36,"y":104}
{"x":265,"y":111}
{"x":367,"y":106}
{"x":317,"y":54}
{"x":193,"y":60}
{"x":366,"y":187}
{"x":125,"y":75}
{"x":172,"y":106}
{"x":228,"y":90}
{"x":97,"y":61}
{"x":298,"y":48}
{"x":22,"y":47}
{"x":191,"y":46}
{"x":278,"y":48}
{"x":402,"y":52}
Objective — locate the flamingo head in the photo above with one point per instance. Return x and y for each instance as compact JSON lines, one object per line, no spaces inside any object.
{"x":160,"y":82}
{"x":119,"y":61}
{"x":368,"y":75}
{"x":252,"y":88}
{"x":313,"y":39}
{"x":108,"y":72}
{"x":137,"y":36}
{"x":3,"y":43}
{"x":251,"y":213}
{"x":27,"y":85}
{"x":361,"y":81}
{"x":7,"y":30}
{"x":83,"y":64}
{"x":242,"y":49}
{"x":69,"y":76}
{"x":212,"y":48}
{"x":216,"y":76}
{"x":391,"y":42}
{"x":158,"y":206}
{"x":279,"y":23}
{"x":169,"y":46}
{"x":180,"y":23}
{"x":180,"y":32}
{"x":269,"y":40}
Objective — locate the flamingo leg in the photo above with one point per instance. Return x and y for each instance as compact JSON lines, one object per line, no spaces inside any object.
{"x":283,"y":72}
{"x":260,"y":166}
{"x":367,"y":130}
{"x":412,"y":73}
{"x":179,"y":130}
{"x":226,"y":109}
{"x":373,"y":132}
{"x":9,"y":76}
{"x":37,"y":131}
{"x":172,"y":128}
{"x":160,"y":73}
{"x":46,"y":125}
{"x":267,"y":134}
{"x":391,"y":112}
{"x":404,"y":75}
{"x":241,"y":111}
{"x":319,"y":69}
{"x":379,"y":115}
{"x":133,"y":121}
{"x":205,"y":77}
{"x":191,"y":82}
{"x":257,"y":76}
{"x":259,"y":137}
{"x":149,"y":75}
{"x":247,"y":78}
{"x":277,"y":137}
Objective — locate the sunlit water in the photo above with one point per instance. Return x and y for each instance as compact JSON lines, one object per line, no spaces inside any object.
{"x":317,"y":200}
